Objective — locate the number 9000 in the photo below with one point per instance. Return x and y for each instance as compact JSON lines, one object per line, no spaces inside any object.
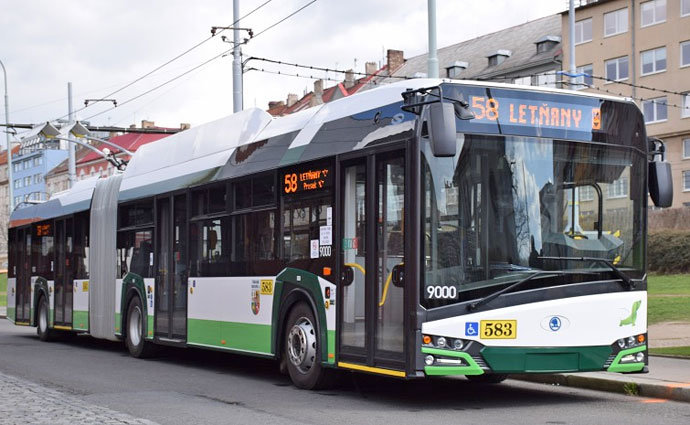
{"x":441,"y":292}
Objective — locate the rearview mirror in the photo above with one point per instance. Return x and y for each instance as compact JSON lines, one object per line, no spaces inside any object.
{"x":347,"y":276}
{"x":442,"y":130}
{"x":660,"y":183}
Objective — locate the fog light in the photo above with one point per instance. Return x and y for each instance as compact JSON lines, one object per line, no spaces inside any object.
{"x":639,"y":357}
{"x":628,"y":358}
{"x":429,"y":360}
{"x":631,"y":340}
{"x":441,"y":342}
{"x":458,"y":344}
{"x":621,"y":343}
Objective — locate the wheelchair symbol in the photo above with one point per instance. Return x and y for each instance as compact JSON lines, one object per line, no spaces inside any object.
{"x":471,"y":329}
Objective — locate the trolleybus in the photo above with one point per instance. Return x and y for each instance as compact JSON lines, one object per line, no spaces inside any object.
{"x":427,"y":227}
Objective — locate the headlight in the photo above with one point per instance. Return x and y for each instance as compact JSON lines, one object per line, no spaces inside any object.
{"x":458,"y":344}
{"x":429,"y":360}
{"x":639,"y":357}
{"x":621,"y":343}
{"x":441,"y":342}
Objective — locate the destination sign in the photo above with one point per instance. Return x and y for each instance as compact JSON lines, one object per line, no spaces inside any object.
{"x":44,"y":230}
{"x":550,"y":114}
{"x":307,"y":179}
{"x":540,"y":113}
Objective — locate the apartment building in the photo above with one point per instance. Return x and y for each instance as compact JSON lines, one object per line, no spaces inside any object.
{"x":640,"y":49}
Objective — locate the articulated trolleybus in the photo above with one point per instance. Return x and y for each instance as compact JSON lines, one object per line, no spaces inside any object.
{"x":427,"y":227}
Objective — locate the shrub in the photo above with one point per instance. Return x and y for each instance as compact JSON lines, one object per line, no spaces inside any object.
{"x":669,"y":252}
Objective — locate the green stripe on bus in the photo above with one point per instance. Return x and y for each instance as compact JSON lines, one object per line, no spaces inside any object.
{"x":331,"y":347}
{"x":616,"y":365}
{"x":236,"y":335}
{"x":10,"y":313}
{"x":80,"y":320}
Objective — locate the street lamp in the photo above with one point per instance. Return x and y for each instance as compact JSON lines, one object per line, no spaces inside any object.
{"x":9,"y":145}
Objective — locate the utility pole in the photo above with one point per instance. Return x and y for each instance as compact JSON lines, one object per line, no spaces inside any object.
{"x":72,"y":166}
{"x":237,"y":101}
{"x":10,"y":180}
{"x":571,"y":42}
{"x":432,"y":60}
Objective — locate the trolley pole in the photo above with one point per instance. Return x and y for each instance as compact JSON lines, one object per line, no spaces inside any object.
{"x":237,"y":101}
{"x":72,"y":166}
{"x":10,"y":180}
{"x":432,"y":59}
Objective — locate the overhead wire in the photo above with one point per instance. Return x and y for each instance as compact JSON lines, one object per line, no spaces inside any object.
{"x":173,"y":59}
{"x":201,"y":64}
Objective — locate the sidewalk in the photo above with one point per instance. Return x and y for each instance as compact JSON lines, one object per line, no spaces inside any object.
{"x":667,"y":379}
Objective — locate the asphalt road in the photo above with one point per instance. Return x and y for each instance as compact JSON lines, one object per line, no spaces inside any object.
{"x":189,"y":386}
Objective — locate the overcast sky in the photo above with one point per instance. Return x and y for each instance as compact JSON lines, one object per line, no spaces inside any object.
{"x":102,"y":45}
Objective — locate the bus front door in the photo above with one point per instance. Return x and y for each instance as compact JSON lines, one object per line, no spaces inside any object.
{"x":171,"y":276}
{"x":371,"y":316}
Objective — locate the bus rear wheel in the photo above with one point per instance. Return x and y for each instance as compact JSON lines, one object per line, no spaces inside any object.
{"x":42,"y":329}
{"x":136,"y":343}
{"x":302,"y":349}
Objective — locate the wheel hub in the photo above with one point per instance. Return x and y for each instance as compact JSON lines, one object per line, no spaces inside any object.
{"x":135,"y":326}
{"x":301,"y":344}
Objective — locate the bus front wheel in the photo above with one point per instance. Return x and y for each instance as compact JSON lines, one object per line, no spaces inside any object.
{"x":302,"y":349}
{"x":136,"y":344}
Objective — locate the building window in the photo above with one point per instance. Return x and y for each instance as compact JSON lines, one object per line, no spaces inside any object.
{"x":17,"y":166}
{"x":586,"y":193}
{"x":546,"y":80}
{"x":686,"y":149}
{"x":26,"y":164}
{"x":653,"y":12}
{"x":686,"y":180}
{"x":583,"y":31}
{"x":685,"y":53}
{"x":525,"y":81}
{"x":455,"y":70}
{"x":38,"y":178}
{"x":38,"y":161}
{"x":18,"y":184}
{"x":584,"y":81}
{"x":653,"y":60}
{"x":27,"y":181}
{"x":617,"y":69}
{"x":499,"y":57}
{"x":684,"y":7}
{"x":619,"y":188}
{"x":654,"y":110}
{"x":685,"y":110}
{"x":616,"y":22}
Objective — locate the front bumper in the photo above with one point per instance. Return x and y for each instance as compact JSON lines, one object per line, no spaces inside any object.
{"x":477,"y":359}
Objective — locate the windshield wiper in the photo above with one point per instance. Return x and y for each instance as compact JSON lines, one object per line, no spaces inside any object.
{"x":622,"y":276}
{"x":489,"y":298}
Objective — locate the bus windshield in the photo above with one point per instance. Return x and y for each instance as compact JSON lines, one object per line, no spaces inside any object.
{"x":503,"y":203}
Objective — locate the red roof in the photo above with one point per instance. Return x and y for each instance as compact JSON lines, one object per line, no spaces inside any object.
{"x":129,"y":141}
{"x":327,"y":96}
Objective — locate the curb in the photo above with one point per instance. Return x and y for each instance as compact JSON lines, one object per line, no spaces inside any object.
{"x":662,"y":389}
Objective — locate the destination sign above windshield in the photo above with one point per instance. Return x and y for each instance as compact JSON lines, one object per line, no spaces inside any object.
{"x":540,"y":113}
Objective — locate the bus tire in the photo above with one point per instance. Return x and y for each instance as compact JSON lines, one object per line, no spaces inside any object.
{"x":42,"y":329}
{"x":136,"y":343}
{"x":302,"y":349}
{"x":488,"y":378}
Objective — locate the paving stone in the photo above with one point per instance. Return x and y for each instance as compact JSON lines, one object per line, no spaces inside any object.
{"x":23,"y":402}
